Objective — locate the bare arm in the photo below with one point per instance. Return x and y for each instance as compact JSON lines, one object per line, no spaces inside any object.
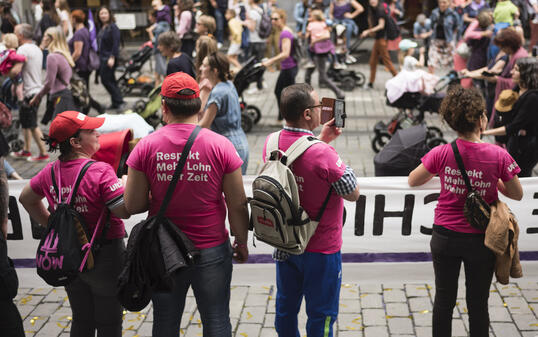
{"x":419,"y":176}
{"x":511,"y":188}
{"x":4,"y":197}
{"x":284,"y":53}
{"x":500,"y":131}
{"x":136,"y":194}
{"x":209,"y":116}
{"x":77,"y":50}
{"x":15,"y":70}
{"x":33,"y":204}
{"x":236,"y":202}
{"x":358,"y":10}
{"x":121,"y":211}
{"x":380,"y":25}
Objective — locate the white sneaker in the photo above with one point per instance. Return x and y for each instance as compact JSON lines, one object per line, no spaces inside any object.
{"x":339,"y":66}
{"x":309,"y":65}
{"x":350,"y":59}
{"x":219,"y":45}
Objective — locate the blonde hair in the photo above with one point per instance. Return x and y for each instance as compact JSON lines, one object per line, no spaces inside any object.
{"x":208,"y":22}
{"x":58,"y":44}
{"x":282,"y":14}
{"x":10,"y":41}
{"x":317,"y":15}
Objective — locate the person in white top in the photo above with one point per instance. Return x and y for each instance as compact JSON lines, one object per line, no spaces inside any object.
{"x":62,"y":7}
{"x":32,"y":84}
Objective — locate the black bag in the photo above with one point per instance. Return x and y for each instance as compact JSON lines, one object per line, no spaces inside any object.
{"x":66,"y":248}
{"x":391,"y":27}
{"x":476,"y":209}
{"x":78,"y":89}
{"x":298,"y":50}
{"x":265,"y":26}
{"x":156,"y":249}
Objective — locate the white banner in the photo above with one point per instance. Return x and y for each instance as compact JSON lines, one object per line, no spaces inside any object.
{"x":390,"y":222}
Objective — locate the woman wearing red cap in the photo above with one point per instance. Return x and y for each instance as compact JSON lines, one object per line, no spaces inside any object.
{"x":92,"y":294}
{"x":210,"y":184}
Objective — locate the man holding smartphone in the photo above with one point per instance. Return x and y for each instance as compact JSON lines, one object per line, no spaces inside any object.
{"x":317,"y":273}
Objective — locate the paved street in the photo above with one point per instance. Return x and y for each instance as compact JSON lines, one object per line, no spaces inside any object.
{"x":372,"y":309}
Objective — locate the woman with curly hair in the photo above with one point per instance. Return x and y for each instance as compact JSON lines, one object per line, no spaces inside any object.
{"x":521,"y":126}
{"x":222,"y":112}
{"x":454,"y":240}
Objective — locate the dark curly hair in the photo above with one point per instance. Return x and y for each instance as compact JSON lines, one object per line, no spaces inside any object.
{"x":462,"y":108}
{"x":64,"y":147}
{"x":508,"y":38}
{"x":528,"y":72}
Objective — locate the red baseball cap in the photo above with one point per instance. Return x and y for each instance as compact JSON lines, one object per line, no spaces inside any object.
{"x":68,"y":123}
{"x":180,"y":86}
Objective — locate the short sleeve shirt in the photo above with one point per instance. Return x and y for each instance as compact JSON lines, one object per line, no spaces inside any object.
{"x":181,"y":63}
{"x":504,"y":12}
{"x":197,"y":206}
{"x":228,"y":117}
{"x":485,"y":165}
{"x":31,"y":71}
{"x":99,"y":188}
{"x":288,"y":62}
{"x":315,"y":170}
{"x":81,"y":35}
{"x":378,"y":13}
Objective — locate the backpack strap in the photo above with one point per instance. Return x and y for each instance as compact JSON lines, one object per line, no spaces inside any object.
{"x":177,"y":172}
{"x":459,"y":160}
{"x":298,"y":148}
{"x":57,"y":186}
{"x":272,"y":145}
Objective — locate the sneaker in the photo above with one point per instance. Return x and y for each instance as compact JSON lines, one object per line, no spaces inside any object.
{"x":44,"y":157}
{"x":368,"y":86}
{"x":350,"y":59}
{"x":339,"y":66}
{"x":21,"y":154}
{"x":309,"y":65}
{"x":219,"y":45}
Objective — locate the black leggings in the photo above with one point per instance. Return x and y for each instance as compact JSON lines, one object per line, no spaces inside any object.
{"x":320,"y":60}
{"x":449,"y":250}
{"x":285,"y":79}
{"x":93,"y":295}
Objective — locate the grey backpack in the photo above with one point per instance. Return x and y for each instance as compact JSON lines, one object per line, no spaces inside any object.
{"x":276,"y":213}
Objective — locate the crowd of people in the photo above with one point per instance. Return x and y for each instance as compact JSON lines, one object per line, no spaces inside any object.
{"x":497,"y":97}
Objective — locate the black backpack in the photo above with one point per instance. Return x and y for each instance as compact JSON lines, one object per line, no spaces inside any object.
{"x":66,"y":248}
{"x":391,"y":27}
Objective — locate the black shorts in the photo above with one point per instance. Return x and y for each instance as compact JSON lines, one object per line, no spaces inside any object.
{"x":28,"y":114}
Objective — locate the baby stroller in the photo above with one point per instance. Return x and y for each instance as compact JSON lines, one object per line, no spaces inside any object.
{"x":11,"y":133}
{"x":149,"y":109}
{"x":250,"y":73}
{"x":347,"y":79}
{"x":131,"y":80}
{"x":411,"y":108}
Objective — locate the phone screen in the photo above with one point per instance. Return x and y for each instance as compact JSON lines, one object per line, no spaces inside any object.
{"x":339,"y":113}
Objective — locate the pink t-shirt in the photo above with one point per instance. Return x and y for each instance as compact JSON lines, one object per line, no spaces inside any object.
{"x":315,"y":171}
{"x":99,"y":188}
{"x":485,"y":164}
{"x":197,"y":206}
{"x":317,"y":29}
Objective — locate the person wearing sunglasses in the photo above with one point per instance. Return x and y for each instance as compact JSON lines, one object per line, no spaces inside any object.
{"x":288,"y":65}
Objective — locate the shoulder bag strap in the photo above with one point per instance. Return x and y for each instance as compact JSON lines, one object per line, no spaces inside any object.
{"x":460,"y":166}
{"x":325,"y":202}
{"x":177,"y":172}
{"x":298,"y":148}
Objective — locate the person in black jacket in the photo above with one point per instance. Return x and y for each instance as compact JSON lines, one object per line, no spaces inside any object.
{"x":109,"y":49}
{"x":10,"y":319}
{"x":522,"y":128}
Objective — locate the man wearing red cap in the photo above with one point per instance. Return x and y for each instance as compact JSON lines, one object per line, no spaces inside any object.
{"x":92,"y":294}
{"x":197,"y":207}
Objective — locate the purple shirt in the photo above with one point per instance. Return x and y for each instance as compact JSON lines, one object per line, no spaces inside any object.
{"x":82,"y":35}
{"x":339,"y":11}
{"x":288,"y":62}
{"x":58,"y":75}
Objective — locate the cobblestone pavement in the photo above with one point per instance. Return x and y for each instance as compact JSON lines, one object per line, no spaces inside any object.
{"x":372,"y":310}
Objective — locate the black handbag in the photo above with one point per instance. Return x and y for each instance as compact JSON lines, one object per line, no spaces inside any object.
{"x":476,"y":209}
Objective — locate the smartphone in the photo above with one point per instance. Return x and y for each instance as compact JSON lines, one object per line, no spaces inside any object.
{"x":333,"y":108}
{"x":487,"y":74}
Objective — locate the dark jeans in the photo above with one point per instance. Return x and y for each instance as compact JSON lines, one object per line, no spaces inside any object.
{"x":257,"y":49}
{"x":85,"y":75}
{"x":449,"y":249}
{"x":320,"y":60}
{"x":92,"y":295}
{"x":220,"y":20}
{"x":10,"y":320}
{"x":285,"y":79}
{"x":210,"y":280}
{"x":109,"y":82}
